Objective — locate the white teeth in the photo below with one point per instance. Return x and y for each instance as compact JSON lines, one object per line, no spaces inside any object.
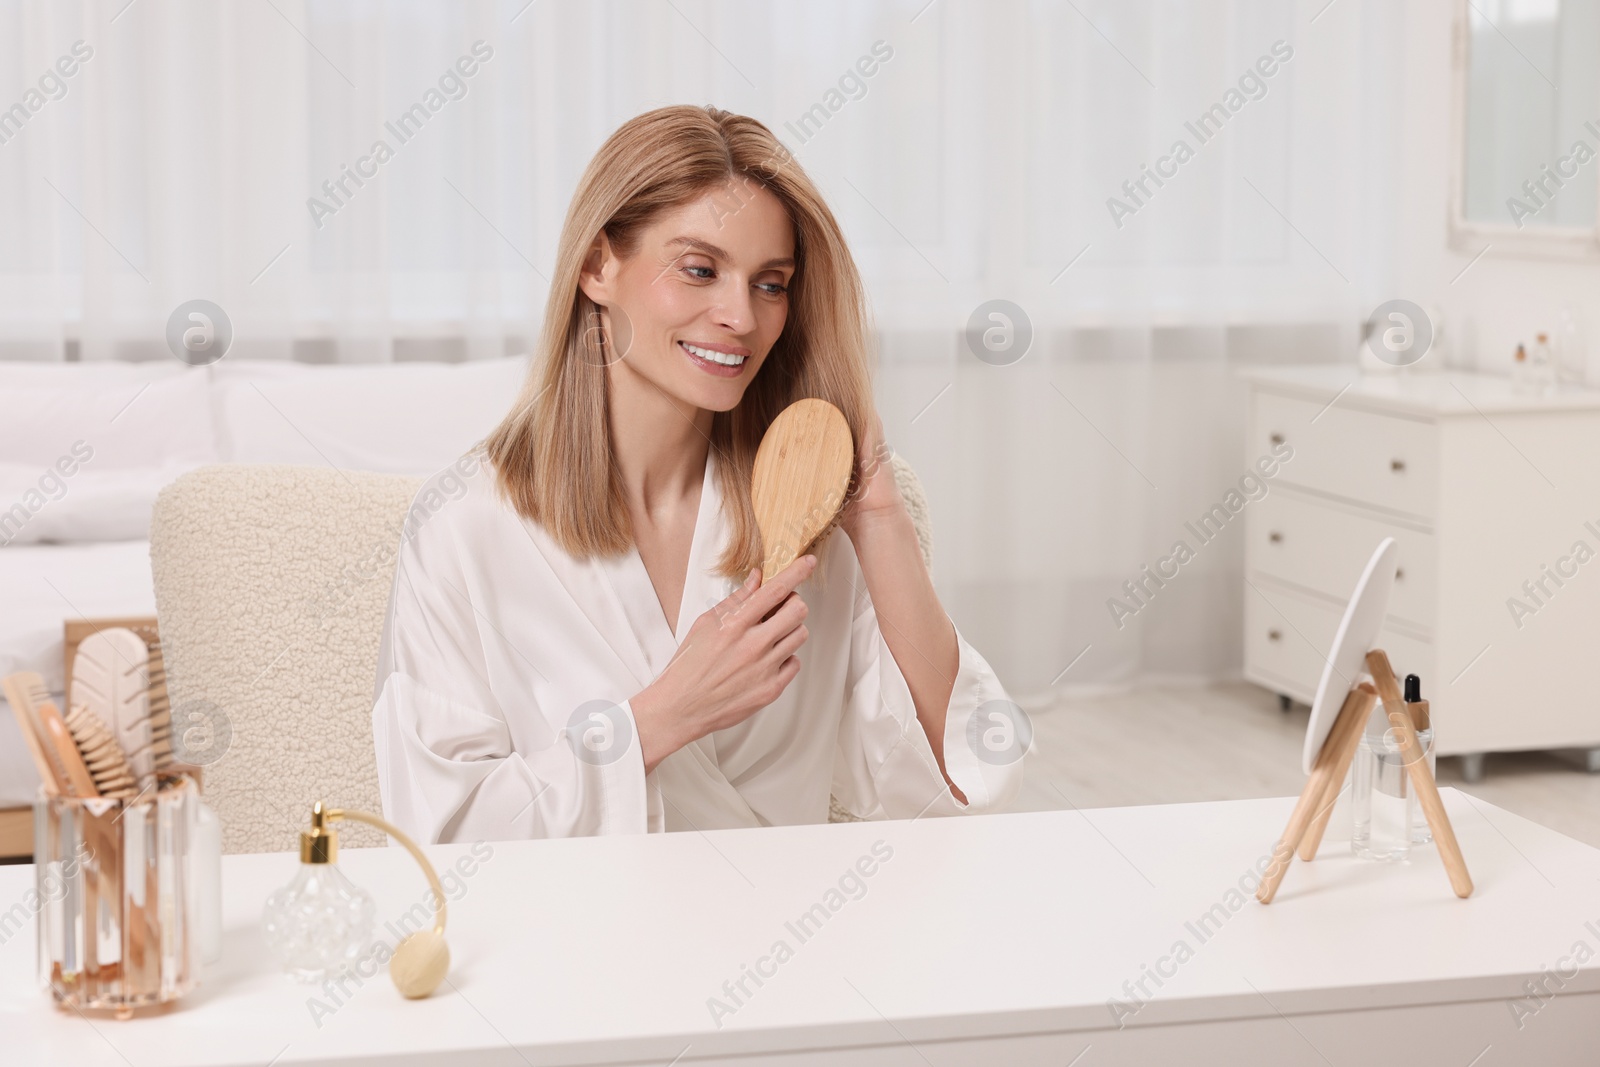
{"x":727,"y":359}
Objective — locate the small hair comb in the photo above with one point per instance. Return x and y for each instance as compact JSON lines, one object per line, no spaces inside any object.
{"x":101,"y":754}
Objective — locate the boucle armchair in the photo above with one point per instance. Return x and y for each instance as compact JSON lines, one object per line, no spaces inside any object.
{"x":271,"y":584}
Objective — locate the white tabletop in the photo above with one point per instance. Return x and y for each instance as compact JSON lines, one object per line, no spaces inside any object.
{"x":1415,"y":392}
{"x":603,"y":949}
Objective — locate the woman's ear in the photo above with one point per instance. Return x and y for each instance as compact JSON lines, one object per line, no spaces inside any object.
{"x":599,"y":271}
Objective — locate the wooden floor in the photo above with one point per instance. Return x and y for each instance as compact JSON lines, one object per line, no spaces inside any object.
{"x":1169,"y":745}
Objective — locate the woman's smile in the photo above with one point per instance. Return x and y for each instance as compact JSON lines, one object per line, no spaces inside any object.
{"x":724,"y":361}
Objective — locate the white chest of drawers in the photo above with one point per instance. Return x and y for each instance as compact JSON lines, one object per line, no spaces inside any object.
{"x":1493,"y":496}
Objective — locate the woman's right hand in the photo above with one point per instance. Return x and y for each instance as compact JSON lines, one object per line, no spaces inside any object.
{"x":731,"y":664}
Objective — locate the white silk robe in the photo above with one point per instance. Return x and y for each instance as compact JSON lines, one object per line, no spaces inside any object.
{"x":495,"y":636}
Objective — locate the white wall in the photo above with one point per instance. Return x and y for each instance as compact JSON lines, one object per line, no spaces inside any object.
{"x":1502,"y":299}
{"x":976,"y":164}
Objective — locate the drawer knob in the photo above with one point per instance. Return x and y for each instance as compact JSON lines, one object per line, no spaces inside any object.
{"x":1397,"y":464}
{"x":1276,"y":438}
{"x":1399,"y":574}
{"x":1275,"y":537}
{"x":1274,"y":635}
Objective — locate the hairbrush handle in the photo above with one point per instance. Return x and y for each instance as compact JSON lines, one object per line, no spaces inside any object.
{"x":63,"y":751}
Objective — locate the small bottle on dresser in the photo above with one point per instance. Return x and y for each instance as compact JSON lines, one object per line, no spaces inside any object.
{"x":1542,"y":365}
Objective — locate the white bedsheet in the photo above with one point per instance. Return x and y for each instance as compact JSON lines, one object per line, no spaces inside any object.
{"x":41,"y":586}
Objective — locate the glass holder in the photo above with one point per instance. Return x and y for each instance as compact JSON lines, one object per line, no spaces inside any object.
{"x":119,"y":887}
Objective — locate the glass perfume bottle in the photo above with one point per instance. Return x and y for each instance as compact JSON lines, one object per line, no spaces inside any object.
{"x":320,"y":922}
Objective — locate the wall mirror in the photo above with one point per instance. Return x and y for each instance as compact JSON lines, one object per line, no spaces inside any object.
{"x":1527,"y":126}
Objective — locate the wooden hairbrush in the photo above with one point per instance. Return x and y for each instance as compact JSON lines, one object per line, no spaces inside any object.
{"x":121,"y":681}
{"x":802,"y":472}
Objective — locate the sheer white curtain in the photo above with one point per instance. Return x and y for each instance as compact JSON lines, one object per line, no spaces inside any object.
{"x":975,"y":162}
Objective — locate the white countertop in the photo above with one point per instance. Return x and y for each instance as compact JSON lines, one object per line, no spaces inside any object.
{"x":1430,"y":393}
{"x":603,"y":949}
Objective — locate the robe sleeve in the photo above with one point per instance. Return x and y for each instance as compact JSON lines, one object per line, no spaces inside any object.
{"x":885,"y":768}
{"x":448,"y":769}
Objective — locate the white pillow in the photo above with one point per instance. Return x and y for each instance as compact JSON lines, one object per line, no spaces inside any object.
{"x":84,"y":505}
{"x":128,"y":425}
{"x":15,"y":372}
{"x":393,"y":418}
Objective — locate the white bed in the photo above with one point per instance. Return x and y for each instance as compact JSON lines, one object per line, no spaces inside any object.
{"x":85,"y":552}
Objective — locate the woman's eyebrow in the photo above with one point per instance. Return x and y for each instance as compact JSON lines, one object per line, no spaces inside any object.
{"x":712,"y":250}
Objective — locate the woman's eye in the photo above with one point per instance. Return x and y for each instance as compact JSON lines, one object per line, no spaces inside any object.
{"x":702,"y":273}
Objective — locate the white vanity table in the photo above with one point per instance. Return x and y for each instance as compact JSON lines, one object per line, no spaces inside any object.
{"x":1485,"y":488}
{"x":1004,"y":939}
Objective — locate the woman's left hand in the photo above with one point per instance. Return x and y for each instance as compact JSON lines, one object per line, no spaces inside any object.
{"x":877,"y":494}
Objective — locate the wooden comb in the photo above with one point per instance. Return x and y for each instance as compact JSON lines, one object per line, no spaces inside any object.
{"x":103,"y":757}
{"x":160,"y":712}
{"x":25,"y":692}
{"x":802,"y":471}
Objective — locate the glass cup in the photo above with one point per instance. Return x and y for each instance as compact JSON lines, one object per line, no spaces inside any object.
{"x":118,"y":887}
{"x":1384,"y":802}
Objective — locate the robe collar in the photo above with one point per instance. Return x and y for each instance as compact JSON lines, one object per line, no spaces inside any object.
{"x":645,"y":642}
{"x":687,"y":791}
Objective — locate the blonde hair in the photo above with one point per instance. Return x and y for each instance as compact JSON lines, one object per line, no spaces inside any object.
{"x":552,"y":453}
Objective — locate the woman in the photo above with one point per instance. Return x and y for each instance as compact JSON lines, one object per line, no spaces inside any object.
{"x":578,"y":639}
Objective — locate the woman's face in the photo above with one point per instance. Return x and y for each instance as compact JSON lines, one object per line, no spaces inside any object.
{"x":697,"y":307}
